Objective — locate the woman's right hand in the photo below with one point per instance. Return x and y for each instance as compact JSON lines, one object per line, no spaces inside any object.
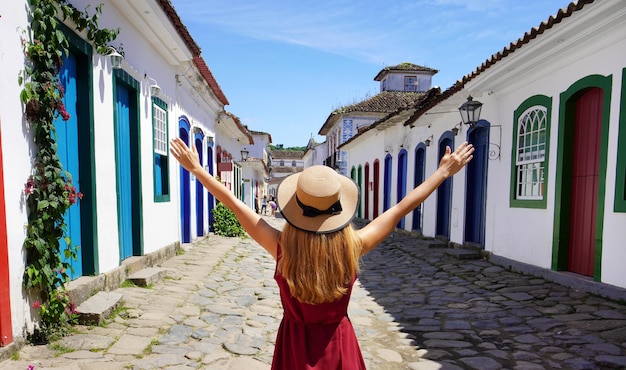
{"x":187,"y":157}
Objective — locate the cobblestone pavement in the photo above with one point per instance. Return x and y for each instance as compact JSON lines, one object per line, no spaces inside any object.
{"x":413,"y":307}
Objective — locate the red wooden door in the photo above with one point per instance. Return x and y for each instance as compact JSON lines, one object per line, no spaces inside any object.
{"x":366,"y":193}
{"x":584,"y":182}
{"x":376,"y":189}
{"x":6,"y":336}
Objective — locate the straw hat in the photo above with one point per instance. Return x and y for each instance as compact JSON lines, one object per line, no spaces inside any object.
{"x":318,"y":200}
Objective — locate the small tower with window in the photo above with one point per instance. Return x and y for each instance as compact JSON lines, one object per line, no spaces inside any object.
{"x":406,"y":77}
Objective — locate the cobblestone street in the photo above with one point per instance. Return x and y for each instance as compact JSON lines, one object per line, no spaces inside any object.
{"x":413,"y":307}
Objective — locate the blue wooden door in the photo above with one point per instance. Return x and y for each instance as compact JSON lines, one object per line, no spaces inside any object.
{"x":476,"y":187}
{"x":444,"y":194}
{"x":67,"y":150}
{"x":387,"y":183}
{"x":199,"y":194}
{"x":123,"y":171}
{"x":418,"y":178}
{"x":185,"y":196}
{"x":401,"y":184}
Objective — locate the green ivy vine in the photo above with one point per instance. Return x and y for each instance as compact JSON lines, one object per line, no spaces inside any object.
{"x":49,"y":191}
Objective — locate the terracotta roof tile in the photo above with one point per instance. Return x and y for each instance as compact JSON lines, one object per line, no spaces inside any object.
{"x":384,"y":102}
{"x":532,"y":34}
{"x":241,"y":127}
{"x":427,"y":97}
{"x":208,"y":76}
{"x":403,"y":67}
{"x":286,"y":154}
{"x":168,"y":8}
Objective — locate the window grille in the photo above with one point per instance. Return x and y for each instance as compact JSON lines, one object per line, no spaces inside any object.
{"x":159,"y":121}
{"x":530,"y":154}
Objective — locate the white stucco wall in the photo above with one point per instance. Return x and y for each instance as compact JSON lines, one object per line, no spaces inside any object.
{"x":142,"y":60}
{"x":525,"y":234}
{"x":590,"y":42}
{"x":395,"y":81}
{"x":15,"y":152}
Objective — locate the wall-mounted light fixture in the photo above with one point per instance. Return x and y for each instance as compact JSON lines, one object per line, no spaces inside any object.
{"x":455,"y":130}
{"x":244,"y":154}
{"x":210,"y":141}
{"x":115,"y":57}
{"x":470,"y":111}
{"x":428,"y":140}
{"x":155,"y":89}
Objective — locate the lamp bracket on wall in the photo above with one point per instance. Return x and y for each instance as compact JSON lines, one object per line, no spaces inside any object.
{"x":494,"y":149}
{"x":457,"y":128}
{"x":428,"y":140}
{"x":155,"y":89}
{"x":494,"y":145}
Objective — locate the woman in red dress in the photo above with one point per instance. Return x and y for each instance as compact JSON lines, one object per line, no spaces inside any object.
{"x":317,"y":253}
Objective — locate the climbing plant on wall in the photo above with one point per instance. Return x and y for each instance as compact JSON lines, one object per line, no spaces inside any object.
{"x":49,"y":190}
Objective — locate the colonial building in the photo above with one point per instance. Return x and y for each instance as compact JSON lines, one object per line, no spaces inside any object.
{"x":256,"y":171}
{"x":400,"y":86}
{"x":315,"y":153}
{"x":114,"y":142}
{"x":547,"y":186}
{"x":283,"y":164}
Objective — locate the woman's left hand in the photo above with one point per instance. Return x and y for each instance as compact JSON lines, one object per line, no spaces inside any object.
{"x":451,"y":163}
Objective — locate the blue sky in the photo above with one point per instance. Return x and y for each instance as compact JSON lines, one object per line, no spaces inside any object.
{"x":286,"y":65}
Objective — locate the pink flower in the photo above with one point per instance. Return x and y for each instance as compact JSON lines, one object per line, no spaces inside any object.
{"x":29,"y":187}
{"x":30,"y":367}
{"x":62,"y":111}
{"x":70,"y":309}
{"x":37,"y":305}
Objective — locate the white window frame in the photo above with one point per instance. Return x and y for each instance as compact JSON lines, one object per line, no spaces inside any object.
{"x":159,"y":124}
{"x":411,"y":83}
{"x":530,"y":153}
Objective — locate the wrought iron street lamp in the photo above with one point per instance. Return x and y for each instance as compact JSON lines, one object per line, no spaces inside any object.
{"x":470,"y":111}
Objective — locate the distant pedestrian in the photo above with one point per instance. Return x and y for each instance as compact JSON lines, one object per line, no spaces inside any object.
{"x":273,"y":207}
{"x":264,"y":205}
{"x":317,"y":254}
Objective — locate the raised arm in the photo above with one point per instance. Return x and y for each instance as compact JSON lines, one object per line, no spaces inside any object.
{"x":377,"y":230}
{"x":266,"y":235}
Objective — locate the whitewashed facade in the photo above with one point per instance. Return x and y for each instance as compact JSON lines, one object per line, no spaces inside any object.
{"x":526,"y":197}
{"x":157,"y":51}
{"x":315,"y":154}
{"x":400,"y":86}
{"x":256,"y":170}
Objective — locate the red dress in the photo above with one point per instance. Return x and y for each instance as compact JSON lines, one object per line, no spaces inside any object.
{"x":318,"y":336}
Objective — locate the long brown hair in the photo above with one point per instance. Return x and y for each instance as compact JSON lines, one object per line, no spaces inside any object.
{"x":319,"y":267}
